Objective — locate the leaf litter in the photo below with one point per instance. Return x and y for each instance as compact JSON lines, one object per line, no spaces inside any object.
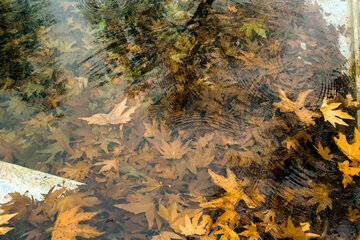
{"x":185,"y":119}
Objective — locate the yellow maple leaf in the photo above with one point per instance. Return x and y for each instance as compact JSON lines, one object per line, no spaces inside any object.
{"x":353,"y":214}
{"x":67,"y":225}
{"x":119,"y":115}
{"x":251,"y":232}
{"x":4,"y":219}
{"x":194,"y":227}
{"x":352,"y":151}
{"x":332,"y":115}
{"x":298,"y":107}
{"x":227,"y":233}
{"x":231,"y":198}
{"x":288,"y":230}
{"x":173,"y":217}
{"x":324,"y":152}
{"x":348,"y":172}
{"x":234,"y":192}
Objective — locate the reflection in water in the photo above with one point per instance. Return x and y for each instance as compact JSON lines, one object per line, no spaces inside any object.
{"x":222,"y":122}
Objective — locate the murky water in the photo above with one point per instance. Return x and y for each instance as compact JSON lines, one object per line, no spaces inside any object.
{"x":185,"y":119}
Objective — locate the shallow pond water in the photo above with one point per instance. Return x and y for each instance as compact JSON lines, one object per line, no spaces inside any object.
{"x":185,"y":119}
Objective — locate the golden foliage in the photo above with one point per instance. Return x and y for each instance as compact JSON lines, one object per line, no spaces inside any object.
{"x":193,"y":227}
{"x":4,"y":219}
{"x":332,"y":115}
{"x":251,"y":232}
{"x":227,"y":233}
{"x":67,"y":225}
{"x":324,"y":152}
{"x":288,"y":230}
{"x":353,"y":214}
{"x":352,"y":151}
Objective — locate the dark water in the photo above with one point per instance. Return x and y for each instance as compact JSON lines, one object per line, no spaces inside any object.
{"x":187,"y":92}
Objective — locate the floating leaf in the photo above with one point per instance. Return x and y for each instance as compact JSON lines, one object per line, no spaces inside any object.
{"x":352,"y":151}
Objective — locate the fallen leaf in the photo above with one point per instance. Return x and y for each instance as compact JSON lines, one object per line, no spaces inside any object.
{"x":353,"y":214}
{"x":324,"y":152}
{"x":4,"y":219}
{"x":348,"y":172}
{"x":298,"y":107}
{"x":227,"y":233}
{"x":251,"y":232}
{"x":319,"y":193}
{"x":107,"y":165}
{"x":296,"y":233}
{"x":164,"y":235}
{"x":173,"y":217}
{"x":77,"y":171}
{"x":119,"y":115}
{"x":175,"y":149}
{"x":83,"y":199}
{"x":256,"y":25}
{"x":194,"y":227}
{"x":332,"y":115}
{"x":67,"y":225}
{"x":352,"y":151}
{"x":140,"y":203}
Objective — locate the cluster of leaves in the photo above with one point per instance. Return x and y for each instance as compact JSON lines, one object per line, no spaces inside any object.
{"x":196,"y":119}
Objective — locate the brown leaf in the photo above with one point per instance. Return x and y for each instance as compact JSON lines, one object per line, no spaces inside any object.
{"x":298,"y":107}
{"x":140,"y":203}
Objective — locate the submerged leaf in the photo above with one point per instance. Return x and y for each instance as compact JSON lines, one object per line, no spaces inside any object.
{"x":164,"y":235}
{"x":194,"y":227}
{"x":298,"y":107}
{"x":119,"y":115}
